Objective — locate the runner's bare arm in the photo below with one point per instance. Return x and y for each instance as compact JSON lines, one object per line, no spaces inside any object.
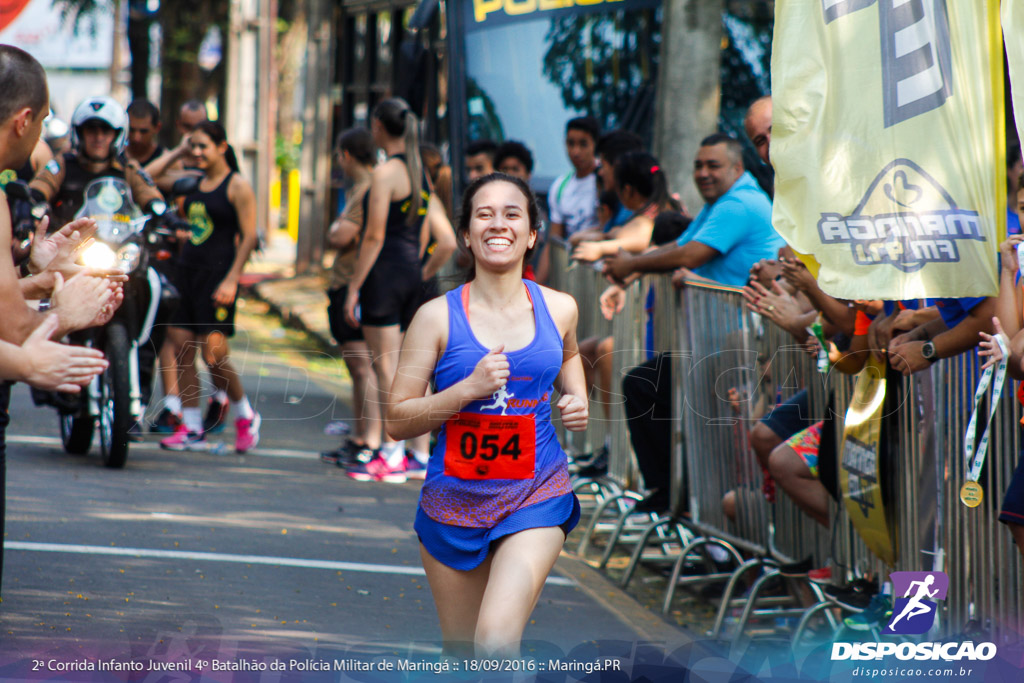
{"x":19,"y":319}
{"x":570,"y":381}
{"x":634,"y":237}
{"x":444,"y":238}
{"x":342,"y":233}
{"x":385,"y":177}
{"x":410,"y":413}
{"x":49,"y":179}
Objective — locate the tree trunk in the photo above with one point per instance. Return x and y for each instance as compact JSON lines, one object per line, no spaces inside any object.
{"x":688,"y":89}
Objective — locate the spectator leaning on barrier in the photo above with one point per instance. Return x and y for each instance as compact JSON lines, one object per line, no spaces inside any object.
{"x":730,"y":234}
{"x":610,"y":148}
{"x":954,"y":331}
{"x":572,"y":199}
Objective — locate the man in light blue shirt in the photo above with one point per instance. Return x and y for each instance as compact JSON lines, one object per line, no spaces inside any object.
{"x":730,"y":234}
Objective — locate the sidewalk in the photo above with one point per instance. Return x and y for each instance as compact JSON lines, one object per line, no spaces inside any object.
{"x":301,"y":301}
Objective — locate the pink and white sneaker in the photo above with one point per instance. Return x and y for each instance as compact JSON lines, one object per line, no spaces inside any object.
{"x":378,"y":470}
{"x":414,"y":469}
{"x":184,"y":440}
{"x":247,"y":433}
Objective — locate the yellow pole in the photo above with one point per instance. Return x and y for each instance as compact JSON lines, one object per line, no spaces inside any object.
{"x":294,"y":191}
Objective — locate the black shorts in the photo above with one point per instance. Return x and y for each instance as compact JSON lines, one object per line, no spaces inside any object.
{"x":790,"y":417}
{"x":429,"y":289}
{"x":391,"y":294}
{"x":197,"y":312}
{"x":340,"y":329}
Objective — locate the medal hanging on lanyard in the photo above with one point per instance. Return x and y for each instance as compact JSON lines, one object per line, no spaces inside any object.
{"x":971,"y":492}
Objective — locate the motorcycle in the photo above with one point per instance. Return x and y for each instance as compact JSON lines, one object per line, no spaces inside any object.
{"x":127,"y":240}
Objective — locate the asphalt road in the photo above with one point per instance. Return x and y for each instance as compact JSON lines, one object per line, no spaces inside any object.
{"x":195,"y":560}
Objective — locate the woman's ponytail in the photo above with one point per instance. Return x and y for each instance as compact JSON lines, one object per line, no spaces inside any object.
{"x":399,"y":121}
{"x":414,"y":164}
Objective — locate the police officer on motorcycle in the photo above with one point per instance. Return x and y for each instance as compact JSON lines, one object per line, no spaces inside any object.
{"x":99,"y":135}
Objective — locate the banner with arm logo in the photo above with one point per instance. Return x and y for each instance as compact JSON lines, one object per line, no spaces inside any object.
{"x":1013,"y":25}
{"x":887,"y":142}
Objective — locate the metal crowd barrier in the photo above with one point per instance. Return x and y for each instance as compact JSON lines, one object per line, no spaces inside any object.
{"x":613,"y":494}
{"x":715,"y":345}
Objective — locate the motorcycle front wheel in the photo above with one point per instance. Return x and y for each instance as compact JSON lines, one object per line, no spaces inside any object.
{"x":76,"y":433}
{"x":115,"y":397}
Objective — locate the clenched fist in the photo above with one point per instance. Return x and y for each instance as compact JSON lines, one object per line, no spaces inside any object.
{"x":489,"y":375}
{"x":575,"y":412}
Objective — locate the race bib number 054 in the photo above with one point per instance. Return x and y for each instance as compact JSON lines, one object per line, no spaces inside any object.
{"x":490,"y":446}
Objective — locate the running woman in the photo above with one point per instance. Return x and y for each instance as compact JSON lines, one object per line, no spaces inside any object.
{"x":497,"y":504}
{"x":221,"y":211}
{"x":387,"y":283}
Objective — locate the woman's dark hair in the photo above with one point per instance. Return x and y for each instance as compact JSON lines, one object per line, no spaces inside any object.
{"x":358,"y":142}
{"x":217,"y":135}
{"x":399,"y":122}
{"x":462,"y":227}
{"x":610,"y":199}
{"x":668,"y":226}
{"x":644,"y":174}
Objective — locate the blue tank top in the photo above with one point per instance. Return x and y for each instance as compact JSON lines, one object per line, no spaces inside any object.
{"x":481,"y":503}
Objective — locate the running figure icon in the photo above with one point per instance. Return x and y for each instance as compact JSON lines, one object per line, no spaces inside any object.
{"x":914,"y":607}
{"x":501,"y":397}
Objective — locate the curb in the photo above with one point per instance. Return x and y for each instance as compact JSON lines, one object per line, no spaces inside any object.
{"x":301,"y":304}
{"x":648,"y":625}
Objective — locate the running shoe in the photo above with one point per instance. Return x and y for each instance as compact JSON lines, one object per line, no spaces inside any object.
{"x":357,"y":456}
{"x":166,"y":422}
{"x":414,"y":469}
{"x":378,"y":470}
{"x":216,"y":416}
{"x":877,"y":613}
{"x":856,"y":596}
{"x":184,"y":440}
{"x":247,"y":433}
{"x":345,"y":453}
{"x":597,"y":468}
{"x":821,"y":576}
{"x":587,"y":459}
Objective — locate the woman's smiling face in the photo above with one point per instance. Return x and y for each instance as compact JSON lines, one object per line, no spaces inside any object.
{"x":499,"y":227}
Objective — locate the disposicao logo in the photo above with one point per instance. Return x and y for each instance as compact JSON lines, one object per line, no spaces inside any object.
{"x":914,"y":612}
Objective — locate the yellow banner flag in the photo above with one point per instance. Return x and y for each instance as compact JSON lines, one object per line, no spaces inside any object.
{"x":1013,"y":28}
{"x":887,"y":141}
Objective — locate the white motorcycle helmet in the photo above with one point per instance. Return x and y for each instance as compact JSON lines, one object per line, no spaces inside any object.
{"x":107,"y":110}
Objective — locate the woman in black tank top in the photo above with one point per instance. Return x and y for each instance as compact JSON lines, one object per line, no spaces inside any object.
{"x":209,"y":268}
{"x":400,"y":213}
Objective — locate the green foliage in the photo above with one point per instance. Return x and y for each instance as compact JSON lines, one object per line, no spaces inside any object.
{"x":74,"y":11}
{"x":286,"y":154}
